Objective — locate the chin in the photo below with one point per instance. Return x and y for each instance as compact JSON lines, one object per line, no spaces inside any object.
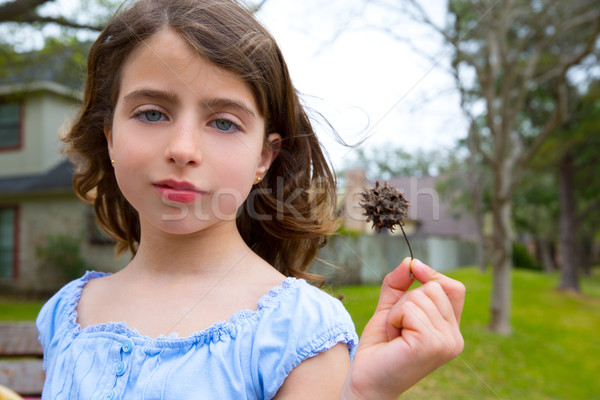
{"x":191,"y":226}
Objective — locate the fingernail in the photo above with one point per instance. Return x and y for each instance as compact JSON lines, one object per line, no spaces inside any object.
{"x":417,"y":264}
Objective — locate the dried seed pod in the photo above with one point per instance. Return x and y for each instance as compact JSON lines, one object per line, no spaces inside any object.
{"x":385,"y":207}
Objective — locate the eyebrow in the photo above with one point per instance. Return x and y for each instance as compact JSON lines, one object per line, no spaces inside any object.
{"x":210,"y":103}
{"x":221,"y":102}
{"x":154,"y":94}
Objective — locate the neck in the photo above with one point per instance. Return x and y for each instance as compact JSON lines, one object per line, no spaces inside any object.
{"x":211,"y":251}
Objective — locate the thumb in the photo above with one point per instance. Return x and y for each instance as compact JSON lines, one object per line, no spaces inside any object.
{"x":395,"y":284}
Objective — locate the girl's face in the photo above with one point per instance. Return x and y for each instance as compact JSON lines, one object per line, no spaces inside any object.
{"x":186,"y":138}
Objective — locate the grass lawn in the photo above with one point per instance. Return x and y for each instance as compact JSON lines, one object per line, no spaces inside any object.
{"x":11,"y":310}
{"x":554,"y":352}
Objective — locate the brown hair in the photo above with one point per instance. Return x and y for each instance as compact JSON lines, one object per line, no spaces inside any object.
{"x":296,"y":199}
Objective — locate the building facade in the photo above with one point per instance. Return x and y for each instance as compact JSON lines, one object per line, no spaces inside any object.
{"x":36,"y":194}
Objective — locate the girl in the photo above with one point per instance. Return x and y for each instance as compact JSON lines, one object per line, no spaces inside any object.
{"x":199,"y":158}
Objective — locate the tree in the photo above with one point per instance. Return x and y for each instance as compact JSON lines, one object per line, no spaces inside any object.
{"x":60,"y":60}
{"x":572,"y":153}
{"x":27,"y":12}
{"x":535,"y":212}
{"x":502,"y":52}
{"x":466,"y":181}
{"x":386,"y":160}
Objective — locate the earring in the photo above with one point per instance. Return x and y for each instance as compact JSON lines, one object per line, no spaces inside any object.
{"x":112,"y":162}
{"x":258,"y":179}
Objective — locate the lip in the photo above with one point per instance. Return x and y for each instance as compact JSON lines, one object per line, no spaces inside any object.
{"x":178,"y":191}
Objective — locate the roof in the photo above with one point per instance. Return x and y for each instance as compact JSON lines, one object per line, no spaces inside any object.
{"x":59,"y":67}
{"x":433,"y":213}
{"x":60,"y":178}
{"x":40,"y":86}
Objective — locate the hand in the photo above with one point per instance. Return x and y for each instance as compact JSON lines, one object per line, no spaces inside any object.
{"x":411,"y":334}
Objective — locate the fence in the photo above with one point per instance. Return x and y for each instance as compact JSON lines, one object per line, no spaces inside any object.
{"x":366,"y":259}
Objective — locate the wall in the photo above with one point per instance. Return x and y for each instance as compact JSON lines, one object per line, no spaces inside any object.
{"x":56,"y":214}
{"x":45,"y":115}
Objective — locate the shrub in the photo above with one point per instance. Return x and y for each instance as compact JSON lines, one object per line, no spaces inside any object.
{"x":62,"y":254}
{"x":522,"y":258}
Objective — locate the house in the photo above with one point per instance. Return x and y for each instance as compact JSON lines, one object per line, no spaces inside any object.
{"x":438,"y":235}
{"x":36,"y":193}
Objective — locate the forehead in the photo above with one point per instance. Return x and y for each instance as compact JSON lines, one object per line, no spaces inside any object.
{"x":166,"y":60}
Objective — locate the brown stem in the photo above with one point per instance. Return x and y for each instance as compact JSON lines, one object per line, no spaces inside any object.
{"x":409,"y":249}
{"x":405,"y":238}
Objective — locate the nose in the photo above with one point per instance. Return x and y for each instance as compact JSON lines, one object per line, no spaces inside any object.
{"x":184,"y":145}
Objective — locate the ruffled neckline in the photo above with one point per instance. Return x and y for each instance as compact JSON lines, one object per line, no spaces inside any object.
{"x":219,"y":331}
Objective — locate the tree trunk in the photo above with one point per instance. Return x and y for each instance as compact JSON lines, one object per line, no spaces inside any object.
{"x":569,"y":279}
{"x":501,"y":253}
{"x":476,"y":188}
{"x":586,"y":255}
{"x":546,"y":256}
{"x":480,"y":242}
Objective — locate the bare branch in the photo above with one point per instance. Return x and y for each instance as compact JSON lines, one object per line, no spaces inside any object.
{"x":32,"y":18}
{"x":561,"y":100}
{"x":12,"y":10}
{"x":474,"y":139}
{"x":587,"y":18}
{"x":24,"y":11}
{"x":256,"y":7}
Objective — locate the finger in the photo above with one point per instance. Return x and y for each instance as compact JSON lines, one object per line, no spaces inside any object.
{"x":419,"y":322}
{"x":395,"y":284}
{"x":412,"y":320}
{"x":404,"y":315}
{"x":447,"y":324}
{"x":454,"y":289}
{"x":435,"y":292}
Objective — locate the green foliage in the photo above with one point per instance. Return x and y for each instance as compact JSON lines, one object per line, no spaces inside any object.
{"x":60,"y":60}
{"x":344,"y":231}
{"x":62,"y":254}
{"x":551,"y":355}
{"x":535,"y":205}
{"x":522,"y":258}
{"x":387,"y":160}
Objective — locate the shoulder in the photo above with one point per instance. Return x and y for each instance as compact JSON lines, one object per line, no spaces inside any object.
{"x":60,"y":309}
{"x":303,"y":304}
{"x":298,"y":321}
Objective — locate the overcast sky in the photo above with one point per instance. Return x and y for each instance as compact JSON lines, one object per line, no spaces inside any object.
{"x":362,"y":80}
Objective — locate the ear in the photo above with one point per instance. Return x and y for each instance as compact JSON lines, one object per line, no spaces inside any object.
{"x":269,"y":153}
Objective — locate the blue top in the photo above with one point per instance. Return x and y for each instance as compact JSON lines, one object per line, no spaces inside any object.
{"x":247,"y":357}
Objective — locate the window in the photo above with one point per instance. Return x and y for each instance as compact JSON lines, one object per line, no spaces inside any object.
{"x":10,"y":125}
{"x":8,"y":241}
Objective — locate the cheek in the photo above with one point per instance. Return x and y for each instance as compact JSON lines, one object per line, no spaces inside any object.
{"x":237,"y":181}
{"x":234,"y":178}
{"x":130,"y":157}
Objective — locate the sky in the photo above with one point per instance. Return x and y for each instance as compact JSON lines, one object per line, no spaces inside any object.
{"x":373,"y":89}
{"x":366,"y":83}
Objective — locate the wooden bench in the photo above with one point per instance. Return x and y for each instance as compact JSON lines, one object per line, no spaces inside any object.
{"x":21,"y":358}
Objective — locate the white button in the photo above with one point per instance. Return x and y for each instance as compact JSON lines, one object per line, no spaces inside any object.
{"x":120,"y":368}
{"x":127,"y":346}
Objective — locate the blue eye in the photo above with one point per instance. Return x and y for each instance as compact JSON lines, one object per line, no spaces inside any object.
{"x":152,"y":115}
{"x":225,"y":125}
